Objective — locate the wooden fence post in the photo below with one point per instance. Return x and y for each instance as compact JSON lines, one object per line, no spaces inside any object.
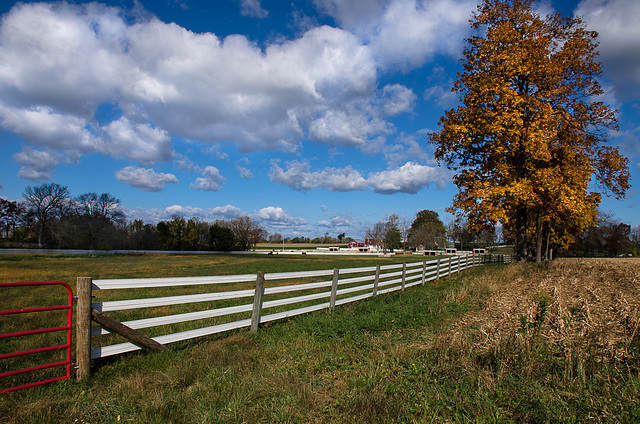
{"x":257,"y":302}
{"x":376,"y":280}
{"x":83,"y":327}
{"x":334,"y":289}
{"x":404,"y":274}
{"x":424,"y":271}
{"x":438,"y":270}
{"x":450,"y":260}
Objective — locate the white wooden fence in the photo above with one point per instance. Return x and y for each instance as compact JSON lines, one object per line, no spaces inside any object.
{"x":343,"y":286}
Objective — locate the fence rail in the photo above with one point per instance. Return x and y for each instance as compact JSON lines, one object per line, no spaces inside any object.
{"x":308,"y":291}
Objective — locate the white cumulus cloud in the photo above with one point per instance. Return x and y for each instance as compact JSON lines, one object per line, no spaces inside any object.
{"x":145,"y":179}
{"x":276,"y":217}
{"x":210,"y":181}
{"x":409,"y":178}
{"x":405,"y":33}
{"x":63,"y":64}
{"x":37,"y":165}
{"x":299,"y":177}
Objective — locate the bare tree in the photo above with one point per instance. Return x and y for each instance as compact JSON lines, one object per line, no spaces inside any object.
{"x":246,"y":232}
{"x":386,"y":233}
{"x":376,"y":233}
{"x":96,"y":218}
{"x":46,"y":202}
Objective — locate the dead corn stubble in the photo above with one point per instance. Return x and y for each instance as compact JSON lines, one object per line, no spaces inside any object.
{"x":582,"y":306}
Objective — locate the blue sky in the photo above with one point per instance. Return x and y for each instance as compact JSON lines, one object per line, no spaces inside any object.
{"x":307,"y":115}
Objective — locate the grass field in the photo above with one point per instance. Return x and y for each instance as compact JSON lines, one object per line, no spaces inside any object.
{"x":502,"y":343}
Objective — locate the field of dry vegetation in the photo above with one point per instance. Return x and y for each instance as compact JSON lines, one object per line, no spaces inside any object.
{"x":587,"y":307}
{"x":502,"y":343}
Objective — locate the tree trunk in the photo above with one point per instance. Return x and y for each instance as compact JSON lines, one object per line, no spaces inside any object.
{"x":521,"y":232}
{"x":539,"y":241}
{"x":546,"y":255}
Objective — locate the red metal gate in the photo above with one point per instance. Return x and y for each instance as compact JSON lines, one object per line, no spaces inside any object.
{"x":66,"y":328}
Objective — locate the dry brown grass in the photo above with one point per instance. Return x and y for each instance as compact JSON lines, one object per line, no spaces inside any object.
{"x":584,"y":306}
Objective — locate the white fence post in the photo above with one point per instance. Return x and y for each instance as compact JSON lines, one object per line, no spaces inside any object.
{"x":438,"y":269}
{"x":257,"y":302}
{"x":334,"y":289}
{"x":424,"y":272}
{"x":376,"y":280}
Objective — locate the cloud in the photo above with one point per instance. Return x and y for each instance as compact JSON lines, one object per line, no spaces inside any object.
{"x":299,"y":177}
{"x":186,"y":164}
{"x":211,"y":180}
{"x":37,"y":165}
{"x":44,"y":126}
{"x":253,"y":9}
{"x":407,"y":147}
{"x":442,"y":95}
{"x":65,"y":64}
{"x":276,"y":217}
{"x":243,"y":171}
{"x":337,"y":221}
{"x":362,"y":123}
{"x":220,"y":212}
{"x":140,"y":142}
{"x":145,"y":179}
{"x":618,"y":26}
{"x":409,"y":178}
{"x":155,"y":215}
{"x":405,"y":33}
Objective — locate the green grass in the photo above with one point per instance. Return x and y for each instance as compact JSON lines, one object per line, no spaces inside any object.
{"x":67,"y":268}
{"x":382,"y":360}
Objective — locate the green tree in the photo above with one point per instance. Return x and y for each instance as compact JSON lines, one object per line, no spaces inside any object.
{"x":143,"y":236}
{"x":12,"y":216}
{"x":530,"y":133}
{"x":427,"y":231}
{"x":221,"y":237}
{"x":392,"y":235}
{"x":174,"y":234}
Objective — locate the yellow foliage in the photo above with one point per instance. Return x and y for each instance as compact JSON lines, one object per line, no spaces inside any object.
{"x":525,"y":141}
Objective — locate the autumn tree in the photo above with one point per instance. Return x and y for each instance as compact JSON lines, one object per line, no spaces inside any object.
{"x":529,"y":135}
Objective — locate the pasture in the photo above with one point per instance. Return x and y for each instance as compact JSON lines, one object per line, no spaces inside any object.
{"x":499,"y":343}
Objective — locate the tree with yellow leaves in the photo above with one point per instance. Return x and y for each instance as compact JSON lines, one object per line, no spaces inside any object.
{"x":529,"y":136}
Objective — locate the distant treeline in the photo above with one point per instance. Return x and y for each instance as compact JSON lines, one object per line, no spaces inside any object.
{"x":48,"y":216}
